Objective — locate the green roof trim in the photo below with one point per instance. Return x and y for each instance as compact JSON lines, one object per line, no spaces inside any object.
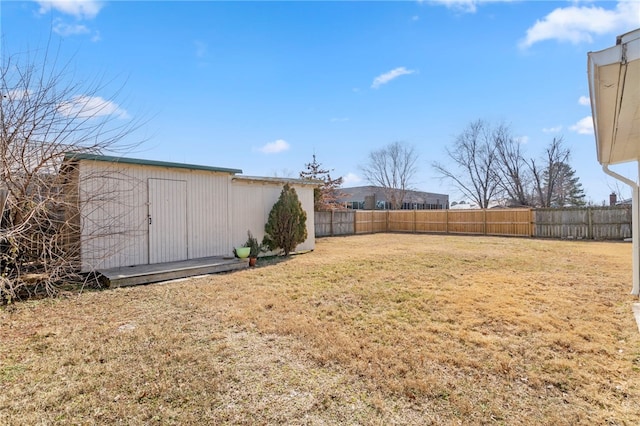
{"x":70,"y":156}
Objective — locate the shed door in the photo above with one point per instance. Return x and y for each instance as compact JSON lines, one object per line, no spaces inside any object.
{"x":167,"y":220}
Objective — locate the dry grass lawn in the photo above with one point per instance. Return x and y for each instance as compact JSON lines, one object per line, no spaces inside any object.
{"x":374,"y":329}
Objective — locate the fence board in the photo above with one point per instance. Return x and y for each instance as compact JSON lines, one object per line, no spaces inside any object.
{"x":585,"y":222}
{"x":510,"y":222}
{"x":370,"y":221}
{"x":402,"y":221}
{"x":332,"y":223}
{"x":431,"y":221}
{"x":466,"y":222}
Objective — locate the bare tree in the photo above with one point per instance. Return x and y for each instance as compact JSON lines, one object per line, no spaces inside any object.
{"x":45,"y":114}
{"x":546,"y":175}
{"x":475,"y":158}
{"x":393,"y":168}
{"x":512,"y":169}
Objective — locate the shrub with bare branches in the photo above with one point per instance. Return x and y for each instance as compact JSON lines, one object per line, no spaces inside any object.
{"x":46,"y":114}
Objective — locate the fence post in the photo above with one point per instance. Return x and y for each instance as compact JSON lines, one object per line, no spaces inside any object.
{"x":484,"y":221}
{"x":355,"y":222}
{"x":446,"y":221}
{"x":331,"y":226}
{"x":590,"y":224}
{"x":532,"y":223}
{"x":372,"y":221}
{"x":415,"y":219}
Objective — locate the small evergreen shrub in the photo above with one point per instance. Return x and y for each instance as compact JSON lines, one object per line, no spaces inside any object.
{"x":287,"y":224}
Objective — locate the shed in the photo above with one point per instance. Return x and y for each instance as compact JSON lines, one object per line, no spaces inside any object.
{"x":614,"y":87}
{"x":126,"y":211}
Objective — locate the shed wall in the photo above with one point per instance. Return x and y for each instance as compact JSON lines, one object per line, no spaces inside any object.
{"x":252,"y":203}
{"x":114,"y":201}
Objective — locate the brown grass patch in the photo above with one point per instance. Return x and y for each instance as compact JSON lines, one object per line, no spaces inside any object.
{"x":374,"y":329}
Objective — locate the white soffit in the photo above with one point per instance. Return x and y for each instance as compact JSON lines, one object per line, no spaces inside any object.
{"x":614,"y":86}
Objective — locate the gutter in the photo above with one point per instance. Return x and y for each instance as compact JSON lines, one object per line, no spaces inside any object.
{"x":632,"y":184}
{"x":635,"y":226}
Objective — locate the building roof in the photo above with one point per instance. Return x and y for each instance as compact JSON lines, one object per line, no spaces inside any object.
{"x":124,"y":160}
{"x":358,"y":193}
{"x":614,"y":82}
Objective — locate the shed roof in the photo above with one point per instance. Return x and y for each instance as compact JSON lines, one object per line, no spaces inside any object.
{"x":277,"y":180}
{"x":614,"y":82}
{"x":71,"y":156}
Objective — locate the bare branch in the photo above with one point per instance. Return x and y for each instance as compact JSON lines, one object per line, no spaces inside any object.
{"x":392,"y":168}
{"x":45,"y":114}
{"x":475,"y":158}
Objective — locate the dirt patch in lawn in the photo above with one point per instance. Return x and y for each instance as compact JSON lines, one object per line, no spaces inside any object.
{"x":375,"y":329}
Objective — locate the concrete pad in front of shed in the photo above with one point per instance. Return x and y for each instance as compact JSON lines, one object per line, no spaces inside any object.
{"x":145,"y":274}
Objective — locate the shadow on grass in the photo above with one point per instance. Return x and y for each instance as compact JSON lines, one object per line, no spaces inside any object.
{"x":278,"y":258}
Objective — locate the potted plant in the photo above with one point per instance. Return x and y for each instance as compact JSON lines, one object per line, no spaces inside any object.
{"x":255,"y":248}
{"x":242,"y":252}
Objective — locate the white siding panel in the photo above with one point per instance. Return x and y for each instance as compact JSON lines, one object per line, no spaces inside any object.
{"x":252,"y":203}
{"x":167,"y":220}
{"x":113,"y":216}
{"x":209,"y":214}
{"x":114,"y":204}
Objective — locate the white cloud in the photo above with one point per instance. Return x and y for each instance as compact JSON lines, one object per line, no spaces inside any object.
{"x":584,"y":100}
{"x":415,"y":18}
{"x":16,"y":95}
{"x":81,"y":9}
{"x":350,"y":179}
{"x":275,"y":147}
{"x":388,"y":76}
{"x":584,"y":126}
{"x":91,"y":106}
{"x":577,"y":24}
{"x":555,"y":129}
{"x":339,"y":119}
{"x":64,"y":29}
{"x":468,"y":6}
{"x":463,"y":5}
{"x":523,"y":140}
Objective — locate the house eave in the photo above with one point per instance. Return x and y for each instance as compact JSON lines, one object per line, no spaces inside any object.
{"x":614,"y":78}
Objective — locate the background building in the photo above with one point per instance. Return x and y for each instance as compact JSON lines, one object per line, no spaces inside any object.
{"x":374,"y":198}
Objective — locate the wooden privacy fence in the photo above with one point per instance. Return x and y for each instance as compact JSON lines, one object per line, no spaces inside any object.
{"x":515,"y":222}
{"x":598,"y":223}
{"x":335,"y":222}
{"x":589,"y":222}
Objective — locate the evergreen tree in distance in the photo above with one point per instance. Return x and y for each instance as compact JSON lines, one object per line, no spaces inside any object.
{"x":327,"y":196}
{"x":567,"y":190}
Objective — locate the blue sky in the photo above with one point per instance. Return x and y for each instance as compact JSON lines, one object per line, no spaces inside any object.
{"x":262,"y":86}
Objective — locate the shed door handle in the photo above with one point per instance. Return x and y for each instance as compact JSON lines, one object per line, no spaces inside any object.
{"x":149,"y":220}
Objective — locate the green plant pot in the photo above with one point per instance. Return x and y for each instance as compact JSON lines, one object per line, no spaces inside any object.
{"x":242,"y":252}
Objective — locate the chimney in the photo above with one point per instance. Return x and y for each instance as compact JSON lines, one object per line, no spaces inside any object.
{"x":613,"y":199}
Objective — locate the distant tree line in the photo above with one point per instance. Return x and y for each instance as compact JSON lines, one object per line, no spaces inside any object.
{"x":489,"y":164}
